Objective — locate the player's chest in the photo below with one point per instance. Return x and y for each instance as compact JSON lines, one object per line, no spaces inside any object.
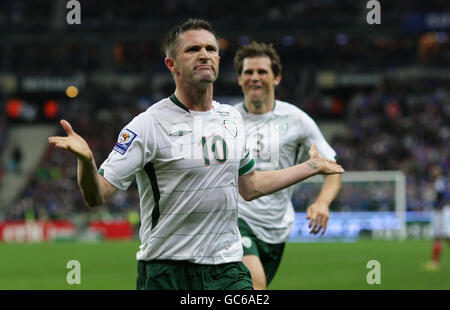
{"x":200,"y":141}
{"x":271,"y":138}
{"x":271,"y":133}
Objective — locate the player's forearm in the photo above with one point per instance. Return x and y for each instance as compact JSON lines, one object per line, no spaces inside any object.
{"x":268,"y":182}
{"x":90,"y":183}
{"x":330,"y":188}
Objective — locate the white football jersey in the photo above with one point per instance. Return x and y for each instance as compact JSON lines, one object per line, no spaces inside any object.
{"x":278,"y":140}
{"x":186,"y":166}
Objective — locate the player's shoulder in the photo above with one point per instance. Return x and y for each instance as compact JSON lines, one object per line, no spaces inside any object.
{"x":288,"y":109}
{"x":160,"y":110}
{"x":141,"y":120}
{"x":239,"y":107}
{"x":283,"y":107}
{"x":160,"y":106}
{"x":296,"y":116}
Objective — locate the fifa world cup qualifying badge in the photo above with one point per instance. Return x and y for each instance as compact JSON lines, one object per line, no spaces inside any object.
{"x":74,"y":14}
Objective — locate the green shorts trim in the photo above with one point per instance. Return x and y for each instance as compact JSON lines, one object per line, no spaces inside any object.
{"x":269,"y":254}
{"x":184,"y":275}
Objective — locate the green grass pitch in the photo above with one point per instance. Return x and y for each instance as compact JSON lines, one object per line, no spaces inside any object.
{"x":332,"y":266}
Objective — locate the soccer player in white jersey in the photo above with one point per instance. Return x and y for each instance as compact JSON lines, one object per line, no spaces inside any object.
{"x":278,"y":135}
{"x":189,"y":157}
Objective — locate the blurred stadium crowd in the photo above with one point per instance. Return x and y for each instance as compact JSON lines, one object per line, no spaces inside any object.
{"x":392,"y":124}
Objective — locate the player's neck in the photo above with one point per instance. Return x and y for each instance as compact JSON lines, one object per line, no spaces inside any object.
{"x":194,"y":98}
{"x":259,"y":107}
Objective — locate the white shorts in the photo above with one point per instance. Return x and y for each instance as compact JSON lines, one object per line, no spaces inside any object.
{"x":441,"y":222}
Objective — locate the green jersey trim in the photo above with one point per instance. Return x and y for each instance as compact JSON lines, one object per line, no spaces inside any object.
{"x":175,"y":100}
{"x":245,"y":107}
{"x":247,"y":167}
{"x":150,"y":170}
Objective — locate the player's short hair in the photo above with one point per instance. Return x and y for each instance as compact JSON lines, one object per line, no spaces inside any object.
{"x":171,"y":42}
{"x":257,"y":49}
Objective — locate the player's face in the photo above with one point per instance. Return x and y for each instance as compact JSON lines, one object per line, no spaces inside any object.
{"x":257,"y":79}
{"x":197,"y":57}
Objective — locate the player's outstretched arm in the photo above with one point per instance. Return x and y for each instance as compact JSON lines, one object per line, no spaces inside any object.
{"x":318,"y":212}
{"x":95,"y":189}
{"x":261,"y":183}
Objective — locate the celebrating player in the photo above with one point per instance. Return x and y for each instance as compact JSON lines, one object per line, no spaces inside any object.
{"x":279,"y":133}
{"x":189,"y":157}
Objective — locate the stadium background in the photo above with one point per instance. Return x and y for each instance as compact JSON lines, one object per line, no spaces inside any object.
{"x":380,"y":94}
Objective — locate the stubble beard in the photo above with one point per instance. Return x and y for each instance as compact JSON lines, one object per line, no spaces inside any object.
{"x":257,"y":102}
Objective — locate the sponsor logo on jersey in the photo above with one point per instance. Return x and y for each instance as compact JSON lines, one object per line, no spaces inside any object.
{"x":180,"y":133}
{"x":126,"y":137}
{"x":231,"y":127}
{"x":223,"y":114}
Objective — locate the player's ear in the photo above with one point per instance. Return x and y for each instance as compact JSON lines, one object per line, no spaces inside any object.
{"x":277,"y":80}
{"x":171,"y":65}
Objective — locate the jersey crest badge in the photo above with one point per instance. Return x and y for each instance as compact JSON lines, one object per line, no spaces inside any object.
{"x":126,"y":137}
{"x":282,"y":127}
{"x":231,"y":127}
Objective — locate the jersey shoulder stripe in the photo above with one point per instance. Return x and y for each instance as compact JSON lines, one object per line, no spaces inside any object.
{"x":247,"y":168}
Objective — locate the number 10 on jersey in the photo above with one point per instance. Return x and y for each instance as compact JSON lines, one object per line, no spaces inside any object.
{"x":217,"y":143}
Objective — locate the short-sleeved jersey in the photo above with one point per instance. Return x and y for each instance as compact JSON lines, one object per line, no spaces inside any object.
{"x":186,"y":165}
{"x":278,"y":140}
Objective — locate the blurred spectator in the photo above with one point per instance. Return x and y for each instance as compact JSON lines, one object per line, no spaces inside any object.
{"x":1,"y":176}
{"x":15,"y":162}
{"x":2,"y":137}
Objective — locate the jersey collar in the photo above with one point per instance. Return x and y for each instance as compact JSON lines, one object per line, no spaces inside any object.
{"x":175,"y":100}
{"x":245,"y":107}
